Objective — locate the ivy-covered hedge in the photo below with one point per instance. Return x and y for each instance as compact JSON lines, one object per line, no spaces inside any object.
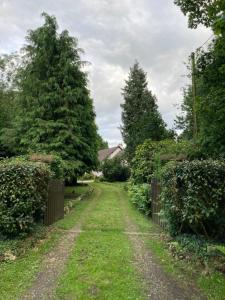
{"x":193,"y":195}
{"x":23,"y":193}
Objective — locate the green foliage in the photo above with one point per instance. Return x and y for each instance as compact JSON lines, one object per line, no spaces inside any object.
{"x":23,"y":192}
{"x":211,"y":90}
{"x":8,"y":103}
{"x":193,"y":197}
{"x":147,"y":160}
{"x":206,"y":12}
{"x":140,"y":197}
{"x":140,"y":116}
{"x":190,"y":247}
{"x":54,"y":162}
{"x":184,"y":121}
{"x":101,"y":143}
{"x":115,"y":169}
{"x":56,"y":113}
{"x":87,"y":176}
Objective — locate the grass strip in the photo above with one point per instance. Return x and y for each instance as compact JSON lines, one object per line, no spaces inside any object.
{"x":100,"y":266}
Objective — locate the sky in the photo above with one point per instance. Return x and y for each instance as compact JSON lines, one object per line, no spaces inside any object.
{"x":113,"y":34}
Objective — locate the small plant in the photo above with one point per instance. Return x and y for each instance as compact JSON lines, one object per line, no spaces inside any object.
{"x":140,"y":197}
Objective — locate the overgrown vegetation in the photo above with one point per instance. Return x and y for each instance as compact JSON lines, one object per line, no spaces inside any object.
{"x":140,"y":197}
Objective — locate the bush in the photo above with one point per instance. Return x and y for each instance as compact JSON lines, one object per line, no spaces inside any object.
{"x":87,"y":176}
{"x":115,"y":169}
{"x":23,"y":193}
{"x":152,"y":155}
{"x":140,"y":197}
{"x":193,"y":195}
{"x":54,"y":162}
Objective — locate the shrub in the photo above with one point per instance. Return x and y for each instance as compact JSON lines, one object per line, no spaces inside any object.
{"x":193,"y":194}
{"x":140,"y":197}
{"x":152,"y":155}
{"x":87,"y":176}
{"x":23,"y":192}
{"x":115,"y":169}
{"x":54,"y":162}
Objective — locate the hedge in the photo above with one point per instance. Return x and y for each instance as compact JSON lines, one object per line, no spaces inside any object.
{"x":193,"y":196}
{"x":115,"y":169}
{"x":147,"y":161}
{"x":55,"y":163}
{"x":23,"y":193}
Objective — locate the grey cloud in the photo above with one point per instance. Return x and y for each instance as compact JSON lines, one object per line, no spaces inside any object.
{"x":114,"y":34}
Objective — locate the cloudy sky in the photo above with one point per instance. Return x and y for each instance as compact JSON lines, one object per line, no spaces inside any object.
{"x":115,"y":33}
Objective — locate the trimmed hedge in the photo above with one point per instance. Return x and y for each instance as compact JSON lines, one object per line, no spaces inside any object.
{"x":23,"y":193}
{"x":193,"y":195}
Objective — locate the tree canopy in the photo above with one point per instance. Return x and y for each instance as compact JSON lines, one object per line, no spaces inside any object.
{"x":140,"y":116}
{"x":56,"y":113}
{"x":210,"y":13}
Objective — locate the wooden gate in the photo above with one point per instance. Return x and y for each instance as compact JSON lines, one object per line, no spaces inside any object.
{"x":156,"y":204}
{"x":55,"y":202}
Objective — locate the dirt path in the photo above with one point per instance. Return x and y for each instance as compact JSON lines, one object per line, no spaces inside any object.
{"x":158,"y":285}
{"x":104,"y":221}
{"x":53,"y":263}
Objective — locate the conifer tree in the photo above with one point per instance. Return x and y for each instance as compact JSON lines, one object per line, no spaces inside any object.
{"x":140,"y":116}
{"x":57,"y":114}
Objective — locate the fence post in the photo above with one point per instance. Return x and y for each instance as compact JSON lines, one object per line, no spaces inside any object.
{"x":156,"y":207}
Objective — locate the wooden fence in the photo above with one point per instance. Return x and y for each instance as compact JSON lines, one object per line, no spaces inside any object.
{"x":156,"y":204}
{"x":55,"y":202}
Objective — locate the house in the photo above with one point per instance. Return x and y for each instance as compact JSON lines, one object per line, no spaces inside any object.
{"x":108,"y":154}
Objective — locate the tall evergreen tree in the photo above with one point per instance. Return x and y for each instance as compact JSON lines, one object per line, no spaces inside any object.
{"x":102,"y":144}
{"x":56,"y":114}
{"x":140,"y":117}
{"x":184,"y":121}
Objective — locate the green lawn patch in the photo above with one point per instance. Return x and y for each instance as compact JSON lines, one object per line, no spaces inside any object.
{"x":100,"y":268}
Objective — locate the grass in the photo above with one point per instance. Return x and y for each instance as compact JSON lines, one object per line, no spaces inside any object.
{"x":78,"y":190}
{"x":213,"y":286}
{"x":100,"y":266}
{"x":17,"y":276}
